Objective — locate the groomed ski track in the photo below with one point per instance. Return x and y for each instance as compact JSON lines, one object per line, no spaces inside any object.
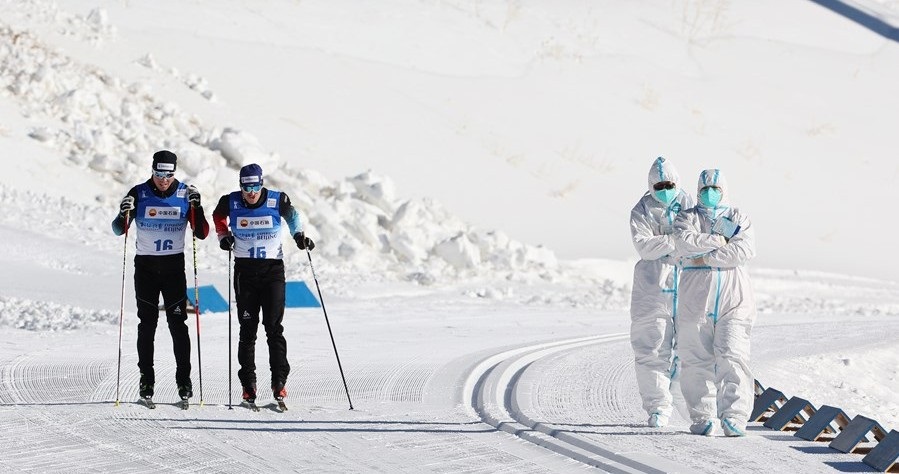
{"x":544,"y":402}
{"x":493,"y":391}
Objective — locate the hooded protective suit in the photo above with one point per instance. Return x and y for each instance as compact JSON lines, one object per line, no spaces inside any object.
{"x":654,"y":292}
{"x":716,"y":311}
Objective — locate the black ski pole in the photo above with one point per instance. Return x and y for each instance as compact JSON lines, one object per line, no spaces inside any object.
{"x":229,"y":330}
{"x":322,"y":300}
{"x":118,"y":377}
{"x":197,"y":305}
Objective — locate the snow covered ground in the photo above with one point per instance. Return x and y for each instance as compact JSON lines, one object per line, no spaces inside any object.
{"x":466,"y":349}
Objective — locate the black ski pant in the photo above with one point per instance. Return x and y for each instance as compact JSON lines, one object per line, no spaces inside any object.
{"x":259,"y":284}
{"x":155,"y":274}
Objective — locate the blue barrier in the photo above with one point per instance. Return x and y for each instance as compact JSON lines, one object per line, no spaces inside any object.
{"x":210,"y":300}
{"x":297,"y":295}
{"x":828,"y":419}
{"x":855,"y":433}
{"x":795,"y":411}
{"x":885,"y":455}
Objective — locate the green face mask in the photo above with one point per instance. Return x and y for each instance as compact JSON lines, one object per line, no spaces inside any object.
{"x":665,"y":196}
{"x":710,"y":197}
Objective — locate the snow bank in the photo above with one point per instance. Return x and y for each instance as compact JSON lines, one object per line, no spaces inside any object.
{"x":856,"y":381}
{"x":43,"y":316}
{"x":102,"y":124}
{"x":783,"y":291}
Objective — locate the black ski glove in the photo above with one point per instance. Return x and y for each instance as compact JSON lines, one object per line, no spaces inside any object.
{"x":193,"y":196}
{"x":303,"y":242}
{"x":227,"y":242}
{"x":126,"y":206}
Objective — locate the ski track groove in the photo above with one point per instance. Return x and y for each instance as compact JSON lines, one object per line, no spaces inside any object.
{"x":606,"y":392}
{"x":478,"y":457}
{"x":375,"y":383}
{"x":493,"y":387}
{"x":27,"y":381}
{"x":159,"y":438}
{"x":580,"y":387}
{"x":8,"y":371}
{"x":60,"y":439}
{"x":603,"y":392}
{"x":608,"y":413}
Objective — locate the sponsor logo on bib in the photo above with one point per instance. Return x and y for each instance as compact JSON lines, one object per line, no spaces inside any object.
{"x":163,"y":213}
{"x":255,"y":223}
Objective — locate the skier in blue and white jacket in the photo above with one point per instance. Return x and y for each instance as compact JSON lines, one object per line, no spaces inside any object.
{"x":248,"y":223}
{"x":161,"y":209}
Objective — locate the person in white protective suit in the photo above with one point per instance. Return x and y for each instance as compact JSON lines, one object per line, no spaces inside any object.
{"x":717,"y":309}
{"x":654,"y":292}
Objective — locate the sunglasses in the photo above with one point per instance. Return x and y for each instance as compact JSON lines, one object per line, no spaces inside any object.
{"x":251,"y":188}
{"x":164,"y":174}
{"x":663,"y":185}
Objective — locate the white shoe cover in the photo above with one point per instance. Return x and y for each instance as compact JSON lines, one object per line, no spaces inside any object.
{"x":704,"y":427}
{"x":733,"y":428}
{"x":657,"y":420}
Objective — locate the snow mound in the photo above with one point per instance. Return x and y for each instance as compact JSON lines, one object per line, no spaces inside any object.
{"x":835,"y":376}
{"x":44,"y":316}
{"x":101,"y":124}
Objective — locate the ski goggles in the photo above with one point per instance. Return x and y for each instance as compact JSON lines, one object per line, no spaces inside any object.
{"x":251,"y":188}
{"x":163,"y":174}
{"x":663,"y":185}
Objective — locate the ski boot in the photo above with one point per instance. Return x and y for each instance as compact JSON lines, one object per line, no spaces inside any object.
{"x":249,"y":397}
{"x":146,"y":395}
{"x":279,"y":392}
{"x":185,"y":392}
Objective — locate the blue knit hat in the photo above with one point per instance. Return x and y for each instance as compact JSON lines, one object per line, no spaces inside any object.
{"x":250,"y":175}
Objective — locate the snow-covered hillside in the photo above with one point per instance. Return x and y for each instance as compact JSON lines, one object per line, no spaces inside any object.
{"x":544,"y":130}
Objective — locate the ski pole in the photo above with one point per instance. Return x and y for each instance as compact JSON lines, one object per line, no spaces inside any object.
{"x":118,"y":377}
{"x":318,"y":288}
{"x":229,"y":330}
{"x":193,"y":219}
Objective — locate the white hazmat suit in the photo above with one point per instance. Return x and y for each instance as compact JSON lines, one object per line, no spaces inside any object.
{"x":716,"y":310}
{"x":654,"y":292}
